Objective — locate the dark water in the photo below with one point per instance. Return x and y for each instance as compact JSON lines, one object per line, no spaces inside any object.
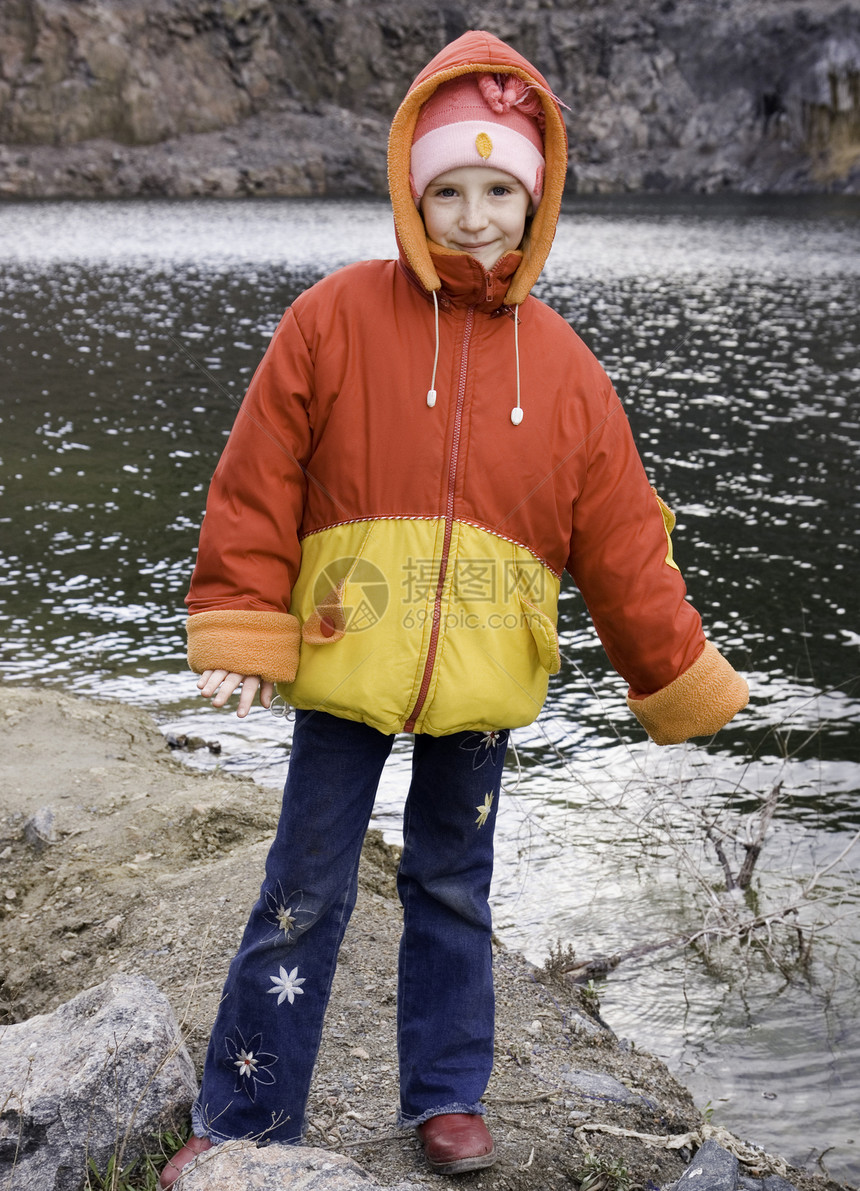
{"x":127,"y":335}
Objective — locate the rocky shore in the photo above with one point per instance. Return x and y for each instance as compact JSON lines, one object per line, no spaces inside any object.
{"x":122,"y":98}
{"x":117,"y":863}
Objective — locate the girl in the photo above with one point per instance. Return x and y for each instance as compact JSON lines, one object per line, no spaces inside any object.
{"x":423,"y":451}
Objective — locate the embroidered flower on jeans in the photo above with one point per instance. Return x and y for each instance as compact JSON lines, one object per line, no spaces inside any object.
{"x":483,"y":811}
{"x":485,"y":746}
{"x":252,"y":1064}
{"x":286,"y":918}
{"x":287,"y":985}
{"x":284,"y":912}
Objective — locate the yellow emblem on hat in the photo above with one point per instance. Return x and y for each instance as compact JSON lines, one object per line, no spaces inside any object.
{"x":484,"y":145}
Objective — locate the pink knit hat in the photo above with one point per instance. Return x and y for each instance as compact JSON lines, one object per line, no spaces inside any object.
{"x":493,"y":120}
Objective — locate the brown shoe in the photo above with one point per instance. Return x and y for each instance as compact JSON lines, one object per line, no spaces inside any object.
{"x":455,"y":1142}
{"x":173,"y":1169}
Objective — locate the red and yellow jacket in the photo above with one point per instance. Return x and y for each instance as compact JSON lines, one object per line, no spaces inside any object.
{"x":397,"y":562}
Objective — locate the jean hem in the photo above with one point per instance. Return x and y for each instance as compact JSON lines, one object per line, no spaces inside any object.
{"x":405,"y":1121}
{"x":200,"y":1129}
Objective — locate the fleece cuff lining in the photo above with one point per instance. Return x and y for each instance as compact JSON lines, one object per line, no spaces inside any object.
{"x":245,"y":642}
{"x":698,"y":703}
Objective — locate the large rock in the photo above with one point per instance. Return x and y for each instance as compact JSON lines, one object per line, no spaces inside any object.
{"x":241,"y":1164}
{"x":135,"y":72}
{"x":595,"y":1085}
{"x":715,"y":1168}
{"x":235,"y":97}
{"x":105,"y":1072}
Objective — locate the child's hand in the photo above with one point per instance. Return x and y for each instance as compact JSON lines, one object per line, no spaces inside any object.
{"x":219,"y":685}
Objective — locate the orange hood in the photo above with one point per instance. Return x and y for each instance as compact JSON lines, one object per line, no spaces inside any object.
{"x":476,"y":52}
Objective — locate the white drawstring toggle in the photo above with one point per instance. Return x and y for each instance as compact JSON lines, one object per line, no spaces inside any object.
{"x":431,"y":397}
{"x":517,"y":415}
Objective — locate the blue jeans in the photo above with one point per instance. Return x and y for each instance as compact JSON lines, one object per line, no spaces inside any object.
{"x":267,"y":1033}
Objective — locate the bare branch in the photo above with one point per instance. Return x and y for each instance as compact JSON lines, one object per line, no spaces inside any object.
{"x":753,"y":849}
{"x":721,"y":856}
{"x":819,"y":873}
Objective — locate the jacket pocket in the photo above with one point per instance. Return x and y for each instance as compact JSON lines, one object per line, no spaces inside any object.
{"x":350,"y":595}
{"x":327,"y":622}
{"x":544,"y":633}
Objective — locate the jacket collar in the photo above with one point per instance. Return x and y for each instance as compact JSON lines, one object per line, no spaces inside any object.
{"x":465,"y":281}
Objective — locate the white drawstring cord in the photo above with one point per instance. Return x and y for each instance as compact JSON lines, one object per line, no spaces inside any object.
{"x":431,"y":392}
{"x":517,"y":411}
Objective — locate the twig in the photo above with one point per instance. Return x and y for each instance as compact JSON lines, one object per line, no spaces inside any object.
{"x":601,"y":964}
{"x":368,"y":1141}
{"x":721,"y":856}
{"x":748,"y":1155}
{"x":523,"y":1099}
{"x":666,"y":1141}
{"x":819,"y":873}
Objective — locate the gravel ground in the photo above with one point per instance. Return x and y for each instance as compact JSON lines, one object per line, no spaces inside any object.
{"x":153,"y":870}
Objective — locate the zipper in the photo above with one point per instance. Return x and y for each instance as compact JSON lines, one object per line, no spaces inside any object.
{"x":409,"y":726}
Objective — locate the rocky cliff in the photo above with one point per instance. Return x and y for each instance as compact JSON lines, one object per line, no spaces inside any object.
{"x":293,"y":97}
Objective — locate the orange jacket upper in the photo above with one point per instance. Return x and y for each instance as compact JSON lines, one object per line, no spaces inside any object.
{"x":398,"y":563}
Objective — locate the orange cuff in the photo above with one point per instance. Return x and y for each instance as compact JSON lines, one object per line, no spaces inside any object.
{"x":698,"y":703}
{"x":245,"y":642}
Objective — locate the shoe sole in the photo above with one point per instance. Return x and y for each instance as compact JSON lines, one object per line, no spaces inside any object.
{"x":462,"y":1165}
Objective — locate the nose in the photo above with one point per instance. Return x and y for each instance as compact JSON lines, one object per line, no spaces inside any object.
{"x":474,"y":215}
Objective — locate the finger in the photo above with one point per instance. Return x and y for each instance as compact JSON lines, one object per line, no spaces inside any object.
{"x":210,"y":681}
{"x":246,"y":699}
{"x":213,"y":678}
{"x":267,"y":693}
{"x":229,"y":683}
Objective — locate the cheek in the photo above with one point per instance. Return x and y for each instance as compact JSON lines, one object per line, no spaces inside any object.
{"x":524,"y":220}
{"x":517,"y":229}
{"x":431,"y":219}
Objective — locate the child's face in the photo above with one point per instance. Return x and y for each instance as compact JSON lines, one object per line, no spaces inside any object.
{"x":476,"y":209}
